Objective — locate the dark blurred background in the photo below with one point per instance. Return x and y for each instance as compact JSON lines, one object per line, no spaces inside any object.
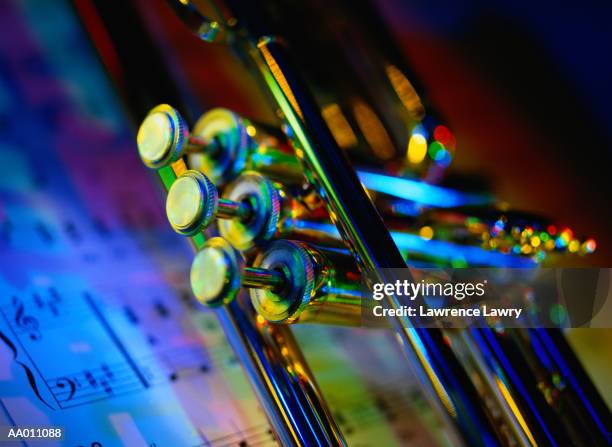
{"x":527,"y":88}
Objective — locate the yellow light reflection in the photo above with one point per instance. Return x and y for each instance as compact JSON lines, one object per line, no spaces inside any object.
{"x":574,"y":246}
{"x":298,"y":368}
{"x":515,"y":410}
{"x":406,"y":92}
{"x":426,"y":233}
{"x":339,"y":126}
{"x":417,"y":148}
{"x":179,"y":167}
{"x":373,"y":130}
{"x":279,"y":77}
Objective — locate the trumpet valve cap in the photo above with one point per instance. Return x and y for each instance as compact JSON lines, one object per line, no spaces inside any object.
{"x":230,"y":143}
{"x":294,"y":260}
{"x":266,"y":203}
{"x":216,"y":273}
{"x":161,"y":137}
{"x":192,"y":202}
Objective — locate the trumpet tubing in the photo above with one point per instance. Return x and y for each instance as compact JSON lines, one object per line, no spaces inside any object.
{"x":283,"y":214}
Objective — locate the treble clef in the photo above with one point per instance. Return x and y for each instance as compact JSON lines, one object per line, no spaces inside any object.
{"x":26,"y":322}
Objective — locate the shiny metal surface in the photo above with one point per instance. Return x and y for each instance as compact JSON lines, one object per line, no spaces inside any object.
{"x":317,"y":289}
{"x":531,"y":417}
{"x":216,"y":273}
{"x":163,"y":137}
{"x":289,"y":282}
{"x":233,"y":143}
{"x":192,"y":203}
{"x":267,"y":205}
{"x":443,"y":378}
{"x":276,"y":368}
{"x":241,"y":145}
{"x":281,"y":378}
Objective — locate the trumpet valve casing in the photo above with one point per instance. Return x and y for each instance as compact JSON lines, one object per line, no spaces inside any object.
{"x":266,"y":205}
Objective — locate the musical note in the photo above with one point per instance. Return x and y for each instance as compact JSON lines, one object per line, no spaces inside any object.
{"x":161,"y":309}
{"x":107,"y":371}
{"x":73,"y":232}
{"x":131,"y":315}
{"x":115,"y":338}
{"x":54,"y":301}
{"x":174,"y":365}
{"x":44,"y":232}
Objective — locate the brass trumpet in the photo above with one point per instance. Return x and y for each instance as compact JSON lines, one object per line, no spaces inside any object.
{"x":257,"y":187}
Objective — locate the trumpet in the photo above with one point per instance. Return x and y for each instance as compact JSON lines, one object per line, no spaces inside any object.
{"x":285,"y":214}
{"x":292,"y":281}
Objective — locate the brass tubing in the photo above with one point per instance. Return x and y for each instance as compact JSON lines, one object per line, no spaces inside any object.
{"x":443,"y":378}
{"x":224,"y":144}
{"x":281,"y":378}
{"x":262,"y":278}
{"x":497,"y":388}
{"x":292,"y":402}
{"x":229,"y":209}
{"x":196,"y":144}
